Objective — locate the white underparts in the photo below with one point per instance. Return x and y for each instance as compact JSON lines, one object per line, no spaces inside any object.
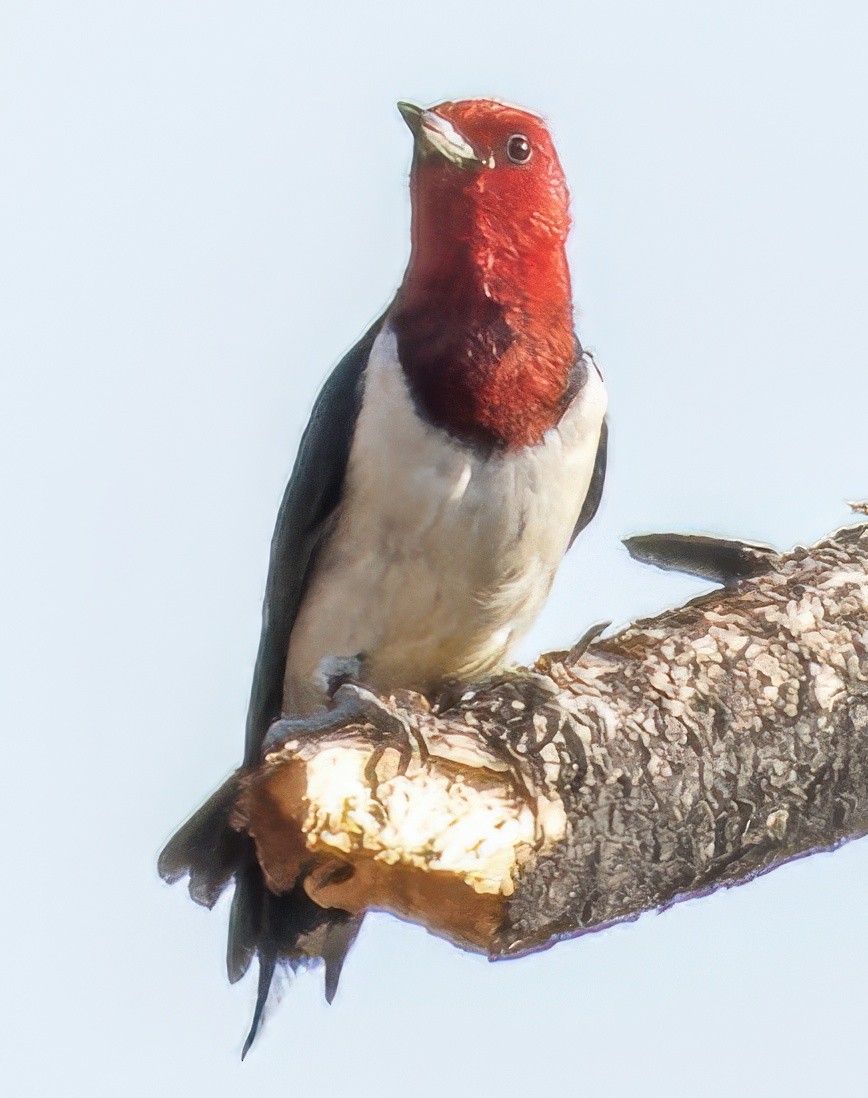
{"x":441,"y":556}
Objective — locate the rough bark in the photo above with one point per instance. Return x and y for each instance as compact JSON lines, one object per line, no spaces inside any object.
{"x":690,"y":751}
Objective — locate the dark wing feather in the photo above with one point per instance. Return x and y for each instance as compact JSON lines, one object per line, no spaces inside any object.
{"x":207,"y":847}
{"x":595,"y":488}
{"x":311,"y":496}
{"x":584,"y":363}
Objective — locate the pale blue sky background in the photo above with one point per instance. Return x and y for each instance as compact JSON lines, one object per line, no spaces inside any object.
{"x":202,"y":205}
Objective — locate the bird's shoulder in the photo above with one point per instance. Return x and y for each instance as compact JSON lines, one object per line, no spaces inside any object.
{"x":314,"y":486}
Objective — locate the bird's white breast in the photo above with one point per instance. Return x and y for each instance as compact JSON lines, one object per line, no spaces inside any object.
{"x":441,"y":556}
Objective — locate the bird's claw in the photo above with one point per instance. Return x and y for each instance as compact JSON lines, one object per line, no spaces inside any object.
{"x":287,"y":729}
{"x":354,"y":704}
{"x":364,"y":705}
{"x":393,"y":728}
{"x":530,"y":692}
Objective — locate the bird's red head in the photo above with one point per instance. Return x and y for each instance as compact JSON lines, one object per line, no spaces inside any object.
{"x":484,"y":315}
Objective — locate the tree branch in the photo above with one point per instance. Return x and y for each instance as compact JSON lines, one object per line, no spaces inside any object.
{"x":690,"y":751}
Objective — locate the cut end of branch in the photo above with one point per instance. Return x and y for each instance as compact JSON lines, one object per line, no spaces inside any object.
{"x":439,"y":842}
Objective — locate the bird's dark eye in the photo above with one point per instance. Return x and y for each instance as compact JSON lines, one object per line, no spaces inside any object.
{"x":518,"y":149}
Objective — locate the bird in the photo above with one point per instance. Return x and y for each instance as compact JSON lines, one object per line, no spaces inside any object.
{"x":450,"y":460}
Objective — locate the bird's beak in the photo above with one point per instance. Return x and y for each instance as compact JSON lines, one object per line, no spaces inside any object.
{"x":434,"y":134}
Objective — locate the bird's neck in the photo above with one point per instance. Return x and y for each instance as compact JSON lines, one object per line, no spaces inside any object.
{"x":485,"y":330}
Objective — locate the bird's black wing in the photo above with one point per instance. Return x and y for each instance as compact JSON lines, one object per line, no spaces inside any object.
{"x":595,"y":488}
{"x":207,"y":847}
{"x":594,"y":494}
{"x":311,"y":496}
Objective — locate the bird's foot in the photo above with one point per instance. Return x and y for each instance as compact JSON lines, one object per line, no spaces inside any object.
{"x":354,"y":704}
{"x":521,"y":688}
{"x":528,"y":715}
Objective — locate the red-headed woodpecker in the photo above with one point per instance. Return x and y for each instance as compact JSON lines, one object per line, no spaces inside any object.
{"x":450,"y":460}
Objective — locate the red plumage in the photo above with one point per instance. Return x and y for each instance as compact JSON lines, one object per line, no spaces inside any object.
{"x":484,"y":316}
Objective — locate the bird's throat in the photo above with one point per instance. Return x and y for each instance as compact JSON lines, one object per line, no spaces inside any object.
{"x":486,"y":340}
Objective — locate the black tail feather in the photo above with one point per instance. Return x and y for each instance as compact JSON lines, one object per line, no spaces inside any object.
{"x":289,"y":928}
{"x":206,"y":847}
{"x":245,"y":920}
{"x":293,"y":929}
{"x":339,"y":939}
{"x":267,"y":965}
